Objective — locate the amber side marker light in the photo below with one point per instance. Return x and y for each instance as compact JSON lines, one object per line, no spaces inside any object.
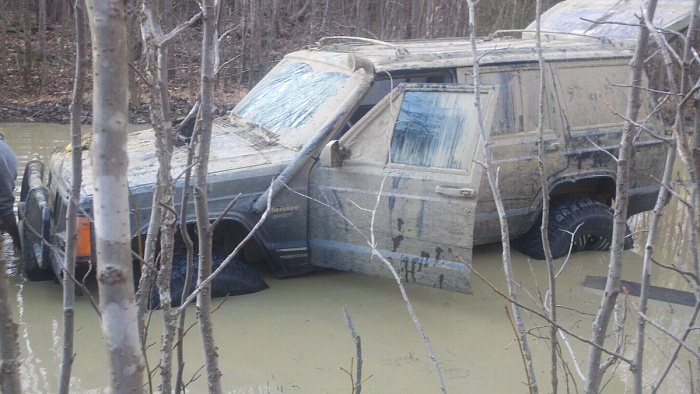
{"x":84,"y":242}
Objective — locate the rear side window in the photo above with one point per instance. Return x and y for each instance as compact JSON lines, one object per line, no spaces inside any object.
{"x":435,"y":129}
{"x":594,"y":96}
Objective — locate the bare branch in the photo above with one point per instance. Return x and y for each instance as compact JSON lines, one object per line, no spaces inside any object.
{"x":544,"y":316}
{"x":223,"y":213}
{"x":601,"y":149}
{"x":666,"y":331}
{"x":164,"y":39}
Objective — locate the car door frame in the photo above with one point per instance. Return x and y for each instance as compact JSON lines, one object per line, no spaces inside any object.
{"x":356,"y":203}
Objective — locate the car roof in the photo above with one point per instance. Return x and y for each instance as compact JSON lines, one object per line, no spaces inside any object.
{"x":613,"y":19}
{"x":501,"y":48}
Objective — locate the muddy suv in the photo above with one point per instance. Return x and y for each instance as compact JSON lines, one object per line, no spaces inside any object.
{"x":351,"y":126}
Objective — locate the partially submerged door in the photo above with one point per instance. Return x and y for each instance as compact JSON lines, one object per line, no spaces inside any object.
{"x":408,"y":183}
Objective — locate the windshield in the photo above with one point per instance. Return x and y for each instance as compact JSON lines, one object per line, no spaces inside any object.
{"x":289,"y":97}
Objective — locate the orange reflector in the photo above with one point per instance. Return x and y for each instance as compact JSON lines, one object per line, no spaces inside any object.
{"x":83,"y":245}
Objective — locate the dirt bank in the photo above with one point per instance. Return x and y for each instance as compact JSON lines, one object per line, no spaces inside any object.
{"x":56,"y":110}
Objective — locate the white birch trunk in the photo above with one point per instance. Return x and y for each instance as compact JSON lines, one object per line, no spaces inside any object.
{"x":111,"y":207}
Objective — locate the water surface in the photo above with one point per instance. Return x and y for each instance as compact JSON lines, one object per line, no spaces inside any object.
{"x":293,"y":336}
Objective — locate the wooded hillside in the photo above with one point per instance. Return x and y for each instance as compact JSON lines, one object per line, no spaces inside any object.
{"x":37,"y":42}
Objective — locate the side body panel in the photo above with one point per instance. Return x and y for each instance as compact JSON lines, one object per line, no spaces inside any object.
{"x":514,"y":139}
{"x":593,"y":96}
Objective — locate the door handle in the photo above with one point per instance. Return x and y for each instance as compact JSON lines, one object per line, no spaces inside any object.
{"x":551,"y":146}
{"x":453,"y":191}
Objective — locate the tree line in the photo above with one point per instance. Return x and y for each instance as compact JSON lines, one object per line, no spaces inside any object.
{"x":257,"y":34}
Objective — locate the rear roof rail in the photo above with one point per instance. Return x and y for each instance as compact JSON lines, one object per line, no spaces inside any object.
{"x":360,"y":40}
{"x":549,"y":35}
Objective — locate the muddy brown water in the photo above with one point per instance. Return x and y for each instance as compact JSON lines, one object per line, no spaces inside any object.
{"x":293,"y":336}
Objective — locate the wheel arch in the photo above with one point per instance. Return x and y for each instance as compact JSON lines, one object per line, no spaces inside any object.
{"x":228,"y":233}
{"x":599,"y":186}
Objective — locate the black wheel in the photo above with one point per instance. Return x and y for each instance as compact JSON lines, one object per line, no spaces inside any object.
{"x":591,"y":221}
{"x":237,"y":278}
{"x":30,"y":264}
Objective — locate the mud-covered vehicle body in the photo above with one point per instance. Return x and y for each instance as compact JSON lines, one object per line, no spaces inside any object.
{"x":371,"y":141}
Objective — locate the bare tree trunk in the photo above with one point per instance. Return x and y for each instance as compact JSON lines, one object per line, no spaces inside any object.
{"x":429,"y":23}
{"x":544,"y":229}
{"x":211,"y":355}
{"x":276,"y":18}
{"x":155,"y":44}
{"x":612,"y":288}
{"x":691,"y":160}
{"x":27,"y":53}
{"x":243,"y":6}
{"x":360,"y":17}
{"x":3,"y":44}
{"x":9,"y":348}
{"x":109,"y":163}
{"x":157,"y":75}
{"x":134,"y":56}
{"x":42,"y":43}
{"x":505,"y":241}
{"x":675,"y":95}
{"x":169,"y":25}
{"x":76,"y":110}
{"x":57,"y":11}
{"x":253,"y":67}
{"x":189,"y":245}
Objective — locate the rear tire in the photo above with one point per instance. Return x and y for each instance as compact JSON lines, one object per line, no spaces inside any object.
{"x":593,"y":219}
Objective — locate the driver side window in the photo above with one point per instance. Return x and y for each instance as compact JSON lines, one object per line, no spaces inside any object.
{"x":435,"y":129}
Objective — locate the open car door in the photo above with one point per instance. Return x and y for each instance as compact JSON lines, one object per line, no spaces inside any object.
{"x":405,"y":177}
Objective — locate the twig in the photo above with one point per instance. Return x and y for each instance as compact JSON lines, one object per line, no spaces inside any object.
{"x":666,"y":331}
{"x":683,"y":273}
{"x":543,"y":316}
{"x":520,"y":346}
{"x":357,"y":384}
{"x":195,"y":323}
{"x":223,"y":213}
{"x":601,"y":149}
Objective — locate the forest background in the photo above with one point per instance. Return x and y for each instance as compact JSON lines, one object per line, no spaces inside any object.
{"x":37,"y":44}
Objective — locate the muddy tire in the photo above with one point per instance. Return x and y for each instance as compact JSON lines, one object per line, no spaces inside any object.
{"x":237,"y":278}
{"x":30,"y":265}
{"x":593,"y":220}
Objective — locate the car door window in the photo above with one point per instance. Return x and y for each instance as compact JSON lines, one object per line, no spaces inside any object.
{"x":431,"y":130}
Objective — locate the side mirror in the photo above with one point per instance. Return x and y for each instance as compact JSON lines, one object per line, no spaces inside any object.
{"x":331,"y":155}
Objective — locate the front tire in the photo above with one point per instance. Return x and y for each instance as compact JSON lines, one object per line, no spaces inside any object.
{"x":237,"y":278}
{"x":590,"y":221}
{"x":30,"y":264}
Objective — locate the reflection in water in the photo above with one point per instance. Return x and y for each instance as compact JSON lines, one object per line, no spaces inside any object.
{"x":293,"y":338}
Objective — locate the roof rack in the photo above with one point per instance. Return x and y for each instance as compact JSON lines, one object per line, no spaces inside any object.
{"x":500,"y":33}
{"x":350,"y":40}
